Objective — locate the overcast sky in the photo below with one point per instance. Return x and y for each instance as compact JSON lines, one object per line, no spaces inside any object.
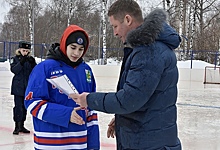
{"x":4,"y":8}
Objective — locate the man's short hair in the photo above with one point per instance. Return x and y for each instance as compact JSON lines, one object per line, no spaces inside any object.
{"x":120,"y":8}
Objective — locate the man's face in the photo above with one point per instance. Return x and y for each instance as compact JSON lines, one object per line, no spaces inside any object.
{"x":120,"y":29}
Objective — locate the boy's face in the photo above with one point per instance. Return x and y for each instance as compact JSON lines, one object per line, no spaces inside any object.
{"x":74,"y":51}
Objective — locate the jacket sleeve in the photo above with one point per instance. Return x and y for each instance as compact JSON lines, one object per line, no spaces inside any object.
{"x":142,"y":78}
{"x":15,"y":65}
{"x":92,"y":125}
{"x":38,"y":102}
{"x":32,"y":61}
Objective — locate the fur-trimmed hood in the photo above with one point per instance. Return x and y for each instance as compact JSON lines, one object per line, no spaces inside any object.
{"x":18,"y":53}
{"x":154,"y":28}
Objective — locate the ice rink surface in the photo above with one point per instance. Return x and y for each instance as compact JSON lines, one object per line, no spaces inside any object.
{"x":198,"y":114}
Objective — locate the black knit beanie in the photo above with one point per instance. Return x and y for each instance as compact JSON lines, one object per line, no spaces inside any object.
{"x":77,"y":37}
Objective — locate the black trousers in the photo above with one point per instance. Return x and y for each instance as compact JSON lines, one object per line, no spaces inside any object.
{"x":19,"y":111}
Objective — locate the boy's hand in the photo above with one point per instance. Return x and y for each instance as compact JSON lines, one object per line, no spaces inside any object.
{"x":75,"y":118}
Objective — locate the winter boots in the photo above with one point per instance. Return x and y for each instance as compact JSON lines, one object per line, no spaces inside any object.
{"x":19,"y":127}
{"x":16,"y":131}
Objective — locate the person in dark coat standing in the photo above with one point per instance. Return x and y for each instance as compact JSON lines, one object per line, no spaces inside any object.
{"x":21,"y":66}
{"x":145,"y":102}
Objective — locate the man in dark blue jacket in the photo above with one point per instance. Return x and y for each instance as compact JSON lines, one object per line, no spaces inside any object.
{"x":145,"y":102}
{"x":21,"y":66}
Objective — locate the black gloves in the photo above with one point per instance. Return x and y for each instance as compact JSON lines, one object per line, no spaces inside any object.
{"x":23,"y":59}
{"x":30,"y":59}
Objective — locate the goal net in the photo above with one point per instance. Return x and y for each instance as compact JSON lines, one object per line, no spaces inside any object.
{"x":212,"y":75}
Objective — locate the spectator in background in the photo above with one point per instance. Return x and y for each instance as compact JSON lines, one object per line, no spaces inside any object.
{"x":145,"y":102}
{"x":21,"y":66}
{"x":59,"y":123}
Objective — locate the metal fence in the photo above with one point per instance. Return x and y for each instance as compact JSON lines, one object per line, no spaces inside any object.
{"x":7,"y":50}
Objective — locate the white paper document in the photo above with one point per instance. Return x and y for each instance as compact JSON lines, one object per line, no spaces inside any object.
{"x":64,"y":84}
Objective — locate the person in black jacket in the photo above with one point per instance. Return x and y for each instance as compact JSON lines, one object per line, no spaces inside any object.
{"x":21,"y":65}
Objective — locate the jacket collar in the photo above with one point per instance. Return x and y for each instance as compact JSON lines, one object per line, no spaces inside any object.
{"x":149,"y":30}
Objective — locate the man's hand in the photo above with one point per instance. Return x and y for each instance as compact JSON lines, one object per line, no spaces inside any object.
{"x":80,"y":99}
{"x":75,"y":118}
{"x":111,"y":129}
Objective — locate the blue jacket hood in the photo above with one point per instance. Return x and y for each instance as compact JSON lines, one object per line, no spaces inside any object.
{"x":154,"y":28}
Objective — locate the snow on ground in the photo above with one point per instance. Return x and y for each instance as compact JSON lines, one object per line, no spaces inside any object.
{"x":196,"y":64}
